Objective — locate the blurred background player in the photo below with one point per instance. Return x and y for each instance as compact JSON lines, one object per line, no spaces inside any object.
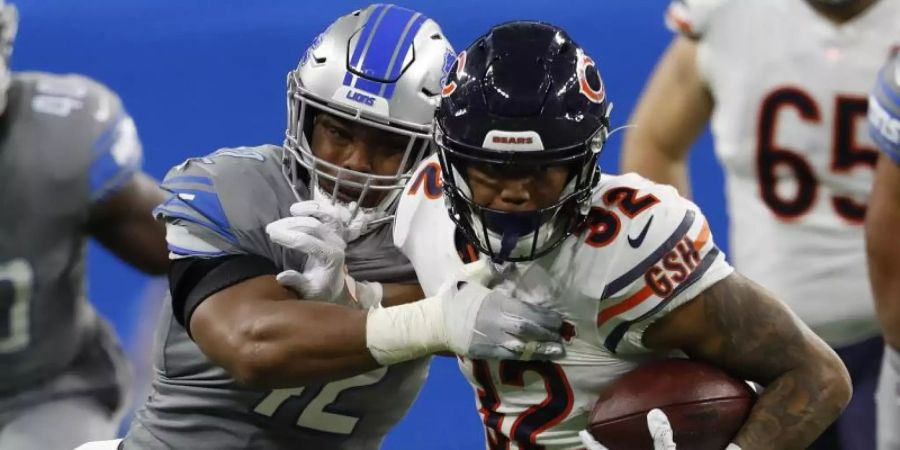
{"x":630,"y":264}
{"x":784,"y":86}
{"x":70,"y":167}
{"x":244,"y":358}
{"x":883,"y":245}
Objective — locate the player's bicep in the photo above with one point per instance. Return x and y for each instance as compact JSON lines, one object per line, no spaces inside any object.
{"x":673,"y":110}
{"x":224,"y":321}
{"x":740,"y":327}
{"x":195,"y":280}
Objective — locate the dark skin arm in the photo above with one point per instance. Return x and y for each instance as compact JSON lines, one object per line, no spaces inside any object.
{"x":124,"y":224}
{"x":673,"y":110}
{"x":739,"y":327}
{"x":883,"y":247}
{"x":266,"y":337}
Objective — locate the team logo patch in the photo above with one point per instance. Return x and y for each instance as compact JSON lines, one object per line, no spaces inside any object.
{"x":512,"y":140}
{"x":587,"y":69}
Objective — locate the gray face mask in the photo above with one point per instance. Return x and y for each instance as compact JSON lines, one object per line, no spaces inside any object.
{"x":9,"y":25}
{"x":391,"y":84}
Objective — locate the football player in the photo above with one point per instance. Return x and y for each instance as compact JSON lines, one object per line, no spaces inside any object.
{"x":883,"y":246}
{"x":264,"y":343}
{"x":784,"y":85}
{"x":70,"y":168}
{"x":630,"y":264}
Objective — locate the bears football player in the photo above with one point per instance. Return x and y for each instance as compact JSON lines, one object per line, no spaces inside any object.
{"x":882,"y":223}
{"x":515,"y":195}
{"x":70,"y":169}
{"x":784,"y":86}
{"x":260,"y":347}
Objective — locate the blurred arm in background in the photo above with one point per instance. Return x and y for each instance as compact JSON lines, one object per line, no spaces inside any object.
{"x":671,"y":114}
{"x":124,"y":224}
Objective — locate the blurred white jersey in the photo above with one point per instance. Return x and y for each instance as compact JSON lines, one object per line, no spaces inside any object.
{"x":790,"y":90}
{"x":644,"y":251}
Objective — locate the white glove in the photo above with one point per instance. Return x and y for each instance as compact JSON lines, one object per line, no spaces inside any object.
{"x":321,"y":231}
{"x":658,"y":425}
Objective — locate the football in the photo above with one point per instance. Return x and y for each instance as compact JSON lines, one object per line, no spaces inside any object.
{"x":705,"y":406}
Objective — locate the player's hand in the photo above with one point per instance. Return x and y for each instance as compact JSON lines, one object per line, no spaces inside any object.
{"x":340,"y":218}
{"x":307,"y":232}
{"x":657,"y":424}
{"x":321,"y":230}
{"x":493,"y":324}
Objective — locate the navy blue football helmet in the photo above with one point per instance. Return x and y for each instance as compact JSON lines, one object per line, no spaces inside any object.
{"x":522,"y":96}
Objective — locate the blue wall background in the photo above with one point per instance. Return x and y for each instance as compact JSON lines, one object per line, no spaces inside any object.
{"x":201,"y":74}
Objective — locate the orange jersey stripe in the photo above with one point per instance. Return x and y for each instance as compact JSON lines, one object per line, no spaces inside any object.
{"x":646,"y":292}
{"x":620,"y":308}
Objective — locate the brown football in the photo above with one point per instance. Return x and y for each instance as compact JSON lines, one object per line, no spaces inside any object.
{"x":705,"y":405}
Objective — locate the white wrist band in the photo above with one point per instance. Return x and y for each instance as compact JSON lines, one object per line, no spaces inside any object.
{"x":733,"y":446}
{"x":405,"y":332}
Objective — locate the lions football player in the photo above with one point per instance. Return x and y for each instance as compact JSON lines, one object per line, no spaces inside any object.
{"x":70,"y":167}
{"x":250,"y":360}
{"x":882,"y":223}
{"x":783,"y":84}
{"x":630,"y":264}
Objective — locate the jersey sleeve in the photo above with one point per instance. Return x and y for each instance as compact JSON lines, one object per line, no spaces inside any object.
{"x":214,"y":206}
{"x":884,"y":109}
{"x":116,"y":150}
{"x":675,"y":261}
{"x":691,"y":18}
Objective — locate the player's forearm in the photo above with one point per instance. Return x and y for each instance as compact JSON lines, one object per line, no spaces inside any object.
{"x":291,"y":343}
{"x":794,"y":410}
{"x":401,"y":293}
{"x":740,"y":327}
{"x":882,"y":246}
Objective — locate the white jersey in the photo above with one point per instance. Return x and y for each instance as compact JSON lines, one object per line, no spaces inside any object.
{"x":643,"y":252}
{"x":790,"y":90}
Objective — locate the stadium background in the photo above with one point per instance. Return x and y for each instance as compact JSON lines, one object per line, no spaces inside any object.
{"x":202,"y":74}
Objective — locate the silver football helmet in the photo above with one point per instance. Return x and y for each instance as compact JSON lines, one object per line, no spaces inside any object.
{"x":382,"y":67}
{"x":9,"y":25}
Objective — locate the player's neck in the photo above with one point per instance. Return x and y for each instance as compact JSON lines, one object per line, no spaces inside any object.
{"x":841,"y":14}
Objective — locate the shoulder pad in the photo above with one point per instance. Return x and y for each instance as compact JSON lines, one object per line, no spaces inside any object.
{"x":665,"y":255}
{"x":421,"y":200}
{"x":233,"y":193}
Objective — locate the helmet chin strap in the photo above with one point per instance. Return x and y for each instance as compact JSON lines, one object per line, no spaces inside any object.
{"x":507,"y":243}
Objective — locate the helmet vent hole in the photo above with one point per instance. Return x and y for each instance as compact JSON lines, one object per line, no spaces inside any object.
{"x":436,"y":36}
{"x":319,"y":60}
{"x":356,"y":13}
{"x":429,"y":93}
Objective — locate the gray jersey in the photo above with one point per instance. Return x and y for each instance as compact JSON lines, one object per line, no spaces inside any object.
{"x":221,"y":205}
{"x":65,"y":143}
